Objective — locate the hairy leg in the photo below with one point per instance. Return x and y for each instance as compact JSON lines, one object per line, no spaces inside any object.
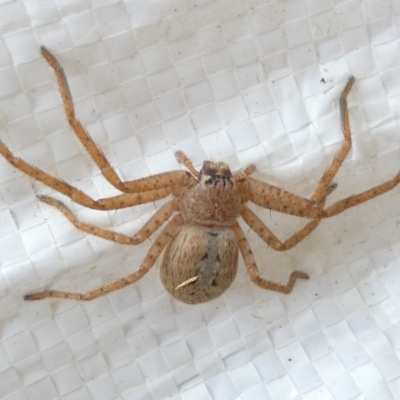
{"x":139,"y":185}
{"x":357,"y":199}
{"x":165,"y":184}
{"x":266,"y":234}
{"x":90,"y":146}
{"x":276,"y":199}
{"x":253,"y":270}
{"x":155,"y":250}
{"x":323,"y":185}
{"x":147,"y":230}
{"x":292,"y":205}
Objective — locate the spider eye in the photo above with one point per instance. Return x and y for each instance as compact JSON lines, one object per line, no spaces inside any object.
{"x":218,"y":180}
{"x":216,"y":174}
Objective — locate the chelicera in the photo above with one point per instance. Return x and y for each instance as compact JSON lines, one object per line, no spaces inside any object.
{"x":201,"y":238}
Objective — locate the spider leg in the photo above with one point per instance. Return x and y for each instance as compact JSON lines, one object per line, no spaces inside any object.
{"x":253,"y":270}
{"x":155,"y":250}
{"x":57,"y":184}
{"x":244,"y":173}
{"x":357,"y":199}
{"x":266,"y":234}
{"x":133,"y":199}
{"x":271,"y":197}
{"x":274,"y":198}
{"x":152,"y":188}
{"x":322,"y":187}
{"x":351,"y":201}
{"x":146,"y":231}
{"x":90,"y":146}
{"x":139,"y":185}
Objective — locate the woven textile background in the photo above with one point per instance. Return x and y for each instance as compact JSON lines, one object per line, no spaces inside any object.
{"x":239,"y":81}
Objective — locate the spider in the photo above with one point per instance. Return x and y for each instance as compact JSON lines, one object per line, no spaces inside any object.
{"x":202,"y":237}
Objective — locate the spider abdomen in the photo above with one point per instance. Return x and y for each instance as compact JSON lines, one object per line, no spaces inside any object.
{"x":200,"y":263}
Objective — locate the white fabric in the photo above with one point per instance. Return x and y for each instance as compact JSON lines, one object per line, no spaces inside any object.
{"x":239,"y":81}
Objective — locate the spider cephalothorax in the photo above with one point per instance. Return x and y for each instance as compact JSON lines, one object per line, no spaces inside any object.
{"x":214,"y":200}
{"x":202,"y":237}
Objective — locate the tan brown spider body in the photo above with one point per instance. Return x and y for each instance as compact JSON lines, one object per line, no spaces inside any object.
{"x":200,"y":263}
{"x":202,"y":237}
